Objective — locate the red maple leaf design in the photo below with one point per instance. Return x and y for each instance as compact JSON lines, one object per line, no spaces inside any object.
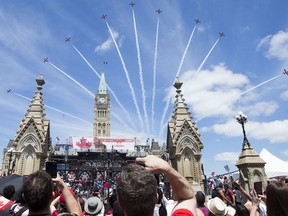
{"x":83,"y":143}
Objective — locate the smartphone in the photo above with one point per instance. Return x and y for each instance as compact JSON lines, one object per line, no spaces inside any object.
{"x":51,"y":168}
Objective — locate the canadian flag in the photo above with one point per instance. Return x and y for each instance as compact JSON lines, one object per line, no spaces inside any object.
{"x":4,"y":203}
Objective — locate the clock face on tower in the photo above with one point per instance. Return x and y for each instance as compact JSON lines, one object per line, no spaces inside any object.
{"x":102,"y":100}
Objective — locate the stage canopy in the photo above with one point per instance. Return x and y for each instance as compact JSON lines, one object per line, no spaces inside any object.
{"x":274,"y":166}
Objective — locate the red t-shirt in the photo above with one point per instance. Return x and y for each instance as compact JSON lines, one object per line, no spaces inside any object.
{"x":182,"y":212}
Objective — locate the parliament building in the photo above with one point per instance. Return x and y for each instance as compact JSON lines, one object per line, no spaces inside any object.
{"x":32,"y":145}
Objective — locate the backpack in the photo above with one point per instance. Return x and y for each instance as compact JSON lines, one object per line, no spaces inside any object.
{"x":18,"y":213}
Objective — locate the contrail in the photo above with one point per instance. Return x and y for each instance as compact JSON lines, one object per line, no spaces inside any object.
{"x":57,"y":110}
{"x":85,"y":89}
{"x":244,"y":92}
{"x":127,"y":76}
{"x":110,"y":90}
{"x":141,"y":74}
{"x":177,"y":74}
{"x":75,"y":81}
{"x":154,"y":73}
{"x":163,"y":116}
{"x":205,"y":59}
{"x":185,"y":52}
{"x":260,"y":85}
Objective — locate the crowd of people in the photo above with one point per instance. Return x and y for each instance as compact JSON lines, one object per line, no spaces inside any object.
{"x":136,"y":192}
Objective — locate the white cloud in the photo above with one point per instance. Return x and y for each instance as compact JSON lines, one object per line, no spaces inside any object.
{"x":274,"y":132}
{"x":212,"y":92}
{"x":108,"y":44}
{"x":260,"y":108}
{"x":230,"y":157}
{"x":276,"y":46}
{"x":284,"y":95}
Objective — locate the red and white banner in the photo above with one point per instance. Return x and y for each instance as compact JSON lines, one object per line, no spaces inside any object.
{"x":85,"y":143}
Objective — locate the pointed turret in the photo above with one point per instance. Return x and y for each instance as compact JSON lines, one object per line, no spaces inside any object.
{"x":102,"y":85}
{"x":184,"y":143}
{"x":33,"y":136}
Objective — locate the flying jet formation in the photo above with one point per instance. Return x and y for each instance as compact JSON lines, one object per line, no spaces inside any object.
{"x":285,"y":72}
{"x":104,"y":16}
{"x":105,"y":62}
{"x":197,"y":21}
{"x":45,"y":60}
{"x":221,"y":34}
{"x":67,"y":39}
{"x":132,"y":4}
{"x":9,"y":90}
{"x":158,"y":11}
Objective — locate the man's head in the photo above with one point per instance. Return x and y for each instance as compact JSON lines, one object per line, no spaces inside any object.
{"x":37,"y":191}
{"x":137,"y":190}
{"x":9,"y":192}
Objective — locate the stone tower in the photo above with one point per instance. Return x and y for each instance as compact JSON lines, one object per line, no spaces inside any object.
{"x":32,"y":141}
{"x":101,"y":127}
{"x":251,"y":166}
{"x":184,"y":143}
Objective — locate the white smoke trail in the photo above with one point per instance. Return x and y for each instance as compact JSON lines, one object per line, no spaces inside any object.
{"x":89,"y":92}
{"x":127,"y":76}
{"x":154,"y":73}
{"x":163,"y":117}
{"x":177,"y":74}
{"x":75,"y":81}
{"x":260,"y":85}
{"x":141,"y":75}
{"x":244,"y":92}
{"x":205,"y":59}
{"x":185,"y":51}
{"x":110,"y":90}
{"x":57,"y":110}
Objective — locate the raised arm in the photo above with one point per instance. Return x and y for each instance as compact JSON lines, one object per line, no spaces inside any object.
{"x":242,"y":190}
{"x":71,"y":203}
{"x":181,"y":187}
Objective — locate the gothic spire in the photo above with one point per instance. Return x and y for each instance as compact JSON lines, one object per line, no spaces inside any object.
{"x":102,"y":85}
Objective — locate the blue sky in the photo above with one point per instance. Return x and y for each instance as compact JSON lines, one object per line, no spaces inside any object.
{"x":242,"y":71}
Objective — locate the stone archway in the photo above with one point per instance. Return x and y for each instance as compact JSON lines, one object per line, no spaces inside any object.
{"x":28,"y":160}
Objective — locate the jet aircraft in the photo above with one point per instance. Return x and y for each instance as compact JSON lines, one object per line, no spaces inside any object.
{"x":285,"y":72}
{"x":67,"y":39}
{"x":9,"y":90}
{"x":132,"y":4}
{"x":197,"y":21}
{"x":45,"y":60}
{"x":221,"y":34}
{"x":158,"y":11}
{"x":104,"y":16}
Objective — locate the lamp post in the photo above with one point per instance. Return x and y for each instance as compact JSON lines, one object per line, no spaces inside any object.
{"x":11,"y":150}
{"x":242,"y":119}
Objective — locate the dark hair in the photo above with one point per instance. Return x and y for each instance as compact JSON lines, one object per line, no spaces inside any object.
{"x":137,"y":190}
{"x":8,"y":191}
{"x":241,"y":210}
{"x":200,"y":198}
{"x":117,"y":210}
{"x":277,"y":199}
{"x":37,"y":191}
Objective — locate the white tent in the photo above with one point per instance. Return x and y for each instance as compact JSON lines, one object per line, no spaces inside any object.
{"x":274,"y":166}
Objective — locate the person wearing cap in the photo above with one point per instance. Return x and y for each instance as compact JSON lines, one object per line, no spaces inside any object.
{"x":217,"y":207}
{"x":137,"y":188}
{"x":94,"y":207}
